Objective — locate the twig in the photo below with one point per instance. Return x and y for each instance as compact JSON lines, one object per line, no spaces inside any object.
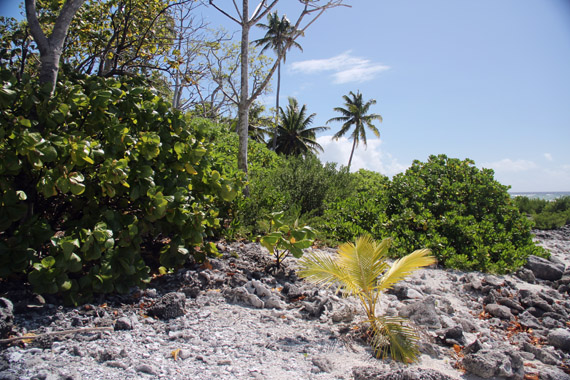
{"x":54,"y":333}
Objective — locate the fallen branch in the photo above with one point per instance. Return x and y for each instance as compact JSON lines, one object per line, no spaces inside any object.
{"x":55,"y":333}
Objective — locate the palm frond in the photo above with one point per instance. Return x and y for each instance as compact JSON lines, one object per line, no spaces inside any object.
{"x":390,"y":336}
{"x":321,"y":268}
{"x":405,"y":266}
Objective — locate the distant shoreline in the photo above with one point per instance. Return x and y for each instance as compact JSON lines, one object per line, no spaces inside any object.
{"x":548,"y":195}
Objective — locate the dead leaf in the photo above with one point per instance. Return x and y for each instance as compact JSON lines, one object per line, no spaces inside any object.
{"x":531,"y":376}
{"x":175,"y":354}
{"x":31,"y":335}
{"x":206,"y":265}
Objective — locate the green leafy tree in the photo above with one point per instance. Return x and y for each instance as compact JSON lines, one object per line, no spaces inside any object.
{"x":360,"y":269}
{"x":294,"y":136}
{"x":280,"y":36}
{"x":356,"y":114}
{"x":461,"y":213}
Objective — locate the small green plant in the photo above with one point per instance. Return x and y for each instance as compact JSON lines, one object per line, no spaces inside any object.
{"x":283,"y":239}
{"x":361,"y":270}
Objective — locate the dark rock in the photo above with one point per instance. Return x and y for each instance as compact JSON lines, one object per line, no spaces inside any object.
{"x":560,"y":338}
{"x":540,"y":354}
{"x":371,"y":373}
{"x":544,"y":269}
{"x":515,"y":307}
{"x":6,"y":316}
{"x":422,"y":313}
{"x":473,"y":348}
{"x":292,"y":292}
{"x":124,"y":323}
{"x":488,"y":363}
{"x":526,"y":275}
{"x":453,"y":335}
{"x":499,"y":311}
{"x":169,"y":306}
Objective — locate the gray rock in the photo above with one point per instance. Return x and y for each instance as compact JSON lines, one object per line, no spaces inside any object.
{"x":560,"y":338}
{"x":274,"y":302}
{"x":171,"y":305}
{"x":423,"y":313}
{"x":540,"y":354}
{"x":371,"y":373}
{"x":323,"y":364}
{"x":499,"y":311}
{"x":526,"y":275}
{"x":544,"y":269}
{"x":488,"y":363}
{"x":145,"y":368}
{"x":6,"y":316}
{"x":124,"y":323}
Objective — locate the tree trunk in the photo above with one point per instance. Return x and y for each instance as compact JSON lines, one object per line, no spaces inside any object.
{"x":243,"y":107}
{"x":277,"y":105}
{"x":351,"y":153}
{"x":51,"y":47}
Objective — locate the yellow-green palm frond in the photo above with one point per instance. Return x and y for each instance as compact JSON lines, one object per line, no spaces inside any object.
{"x":391,"y":336}
{"x":321,"y":268}
{"x":405,"y":266}
{"x":364,"y":262}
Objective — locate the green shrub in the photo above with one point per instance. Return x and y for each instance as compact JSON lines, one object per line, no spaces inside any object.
{"x":99,"y":183}
{"x":461,"y":213}
{"x":546,"y":215}
{"x":362,"y":211}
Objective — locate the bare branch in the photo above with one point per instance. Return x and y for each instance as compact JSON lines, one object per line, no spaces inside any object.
{"x":211,"y":2}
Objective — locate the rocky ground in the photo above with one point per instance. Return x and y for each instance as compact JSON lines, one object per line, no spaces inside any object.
{"x":238,"y":319}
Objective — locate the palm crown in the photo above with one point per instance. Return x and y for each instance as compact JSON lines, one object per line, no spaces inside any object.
{"x":356,"y":113}
{"x":294,"y":136}
{"x":361,"y":270}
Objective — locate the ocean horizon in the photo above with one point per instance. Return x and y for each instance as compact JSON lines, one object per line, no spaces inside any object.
{"x":547,"y":195}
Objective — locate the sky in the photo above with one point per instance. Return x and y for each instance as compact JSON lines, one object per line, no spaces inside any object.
{"x":487,"y":80}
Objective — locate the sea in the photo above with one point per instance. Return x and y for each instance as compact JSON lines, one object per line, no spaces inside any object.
{"x":547,"y":195}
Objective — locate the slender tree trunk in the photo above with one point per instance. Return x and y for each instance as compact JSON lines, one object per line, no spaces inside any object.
{"x":51,"y":47}
{"x":243,"y":109}
{"x":277,"y":106}
{"x":351,"y":153}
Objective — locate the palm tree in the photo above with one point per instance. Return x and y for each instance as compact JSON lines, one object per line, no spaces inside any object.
{"x":361,"y":270}
{"x":280,"y":38}
{"x":355,"y":114}
{"x":294,"y":137}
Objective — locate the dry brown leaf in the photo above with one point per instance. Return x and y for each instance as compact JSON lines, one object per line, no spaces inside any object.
{"x":531,"y":376}
{"x":175,"y":354}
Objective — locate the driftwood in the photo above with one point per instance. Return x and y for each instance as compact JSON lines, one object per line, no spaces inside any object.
{"x":55,"y":333}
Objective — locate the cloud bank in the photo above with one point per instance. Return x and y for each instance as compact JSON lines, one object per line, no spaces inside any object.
{"x":369,"y":157}
{"x":345,"y":67}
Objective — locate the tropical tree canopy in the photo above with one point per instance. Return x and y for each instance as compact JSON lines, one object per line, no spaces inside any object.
{"x":356,"y":114}
{"x":294,"y":137}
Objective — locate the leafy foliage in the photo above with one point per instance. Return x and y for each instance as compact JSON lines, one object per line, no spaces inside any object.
{"x":100,"y":183}
{"x":361,"y":270}
{"x":545,"y":214}
{"x":284,"y":239}
{"x":461,"y":213}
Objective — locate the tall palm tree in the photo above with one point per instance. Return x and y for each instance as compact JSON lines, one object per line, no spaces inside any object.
{"x":280,"y":38}
{"x":356,"y":113}
{"x":294,"y":137}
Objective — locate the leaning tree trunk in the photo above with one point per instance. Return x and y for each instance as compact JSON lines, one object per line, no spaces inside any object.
{"x":351,"y":153}
{"x":277,"y":105}
{"x":51,"y":47}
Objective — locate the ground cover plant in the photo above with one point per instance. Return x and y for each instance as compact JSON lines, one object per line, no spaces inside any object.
{"x":360,"y":269}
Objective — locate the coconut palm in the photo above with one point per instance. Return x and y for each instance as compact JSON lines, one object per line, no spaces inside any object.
{"x":361,"y":270}
{"x":294,"y":137}
{"x":280,"y":38}
{"x":356,"y":113}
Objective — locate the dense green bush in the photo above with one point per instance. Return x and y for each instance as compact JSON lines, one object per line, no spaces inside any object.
{"x":99,"y":183}
{"x":358,"y":212}
{"x":545,"y":214}
{"x":461,"y":213}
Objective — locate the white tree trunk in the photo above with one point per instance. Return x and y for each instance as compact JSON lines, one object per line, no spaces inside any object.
{"x":51,"y":47}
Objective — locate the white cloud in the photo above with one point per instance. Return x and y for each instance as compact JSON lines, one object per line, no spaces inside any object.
{"x":548,"y":156}
{"x":345,"y":68}
{"x":369,"y":157}
{"x":508,"y":165}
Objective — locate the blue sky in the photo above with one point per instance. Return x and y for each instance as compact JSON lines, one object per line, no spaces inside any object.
{"x":487,"y":80}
